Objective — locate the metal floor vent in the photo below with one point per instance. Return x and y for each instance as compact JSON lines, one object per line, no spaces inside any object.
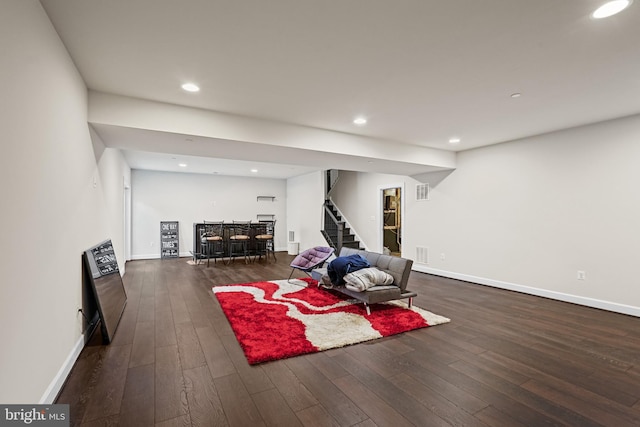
{"x":422,"y":192}
{"x":422,"y":255}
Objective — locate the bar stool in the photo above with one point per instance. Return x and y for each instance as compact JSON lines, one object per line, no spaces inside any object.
{"x":264,"y":239}
{"x":239,"y":237}
{"x":213,"y":240}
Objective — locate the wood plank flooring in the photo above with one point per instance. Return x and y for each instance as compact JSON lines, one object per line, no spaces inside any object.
{"x":506,"y":359}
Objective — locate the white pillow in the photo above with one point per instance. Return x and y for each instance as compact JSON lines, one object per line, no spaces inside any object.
{"x":363,"y":279}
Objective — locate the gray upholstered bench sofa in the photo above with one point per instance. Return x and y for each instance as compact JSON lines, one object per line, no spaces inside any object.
{"x":399,"y":268}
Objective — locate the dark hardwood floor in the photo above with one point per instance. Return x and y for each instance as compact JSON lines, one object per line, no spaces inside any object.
{"x":506,"y":359}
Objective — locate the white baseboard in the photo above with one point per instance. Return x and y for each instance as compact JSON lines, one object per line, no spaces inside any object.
{"x":157,"y":256}
{"x":574,"y":299}
{"x":145,"y":256}
{"x":56,"y":384}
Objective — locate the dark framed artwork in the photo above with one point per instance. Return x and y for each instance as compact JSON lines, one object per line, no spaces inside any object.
{"x":169,"y":239}
{"x":108,"y":289}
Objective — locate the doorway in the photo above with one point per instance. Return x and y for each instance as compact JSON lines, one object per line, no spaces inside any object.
{"x":126,"y":203}
{"x":392,"y":221}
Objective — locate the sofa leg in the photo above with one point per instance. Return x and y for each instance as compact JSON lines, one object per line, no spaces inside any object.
{"x":366,"y":306}
{"x":410,"y":301}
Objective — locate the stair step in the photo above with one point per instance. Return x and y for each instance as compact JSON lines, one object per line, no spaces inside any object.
{"x":355,"y":244}
{"x":348,"y":238}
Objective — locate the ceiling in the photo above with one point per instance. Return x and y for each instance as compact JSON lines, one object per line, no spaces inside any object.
{"x":420,"y":71}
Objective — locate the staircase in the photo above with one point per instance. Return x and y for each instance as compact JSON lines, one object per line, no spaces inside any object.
{"x":335,"y":232}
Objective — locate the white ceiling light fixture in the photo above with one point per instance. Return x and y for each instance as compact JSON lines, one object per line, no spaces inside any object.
{"x":360,"y":121}
{"x":454,"y":140}
{"x":516,"y":95}
{"x":611,"y":8}
{"x":182,"y":165}
{"x":254,"y":170}
{"x":191,"y":87}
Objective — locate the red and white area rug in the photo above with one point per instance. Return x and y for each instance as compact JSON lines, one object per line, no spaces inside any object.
{"x":276,"y":319}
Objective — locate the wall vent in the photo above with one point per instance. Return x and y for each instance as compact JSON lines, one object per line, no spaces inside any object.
{"x":292,"y":236}
{"x":422,"y":255}
{"x":422,"y":192}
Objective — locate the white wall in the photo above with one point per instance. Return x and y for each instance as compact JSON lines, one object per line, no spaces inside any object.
{"x":358,"y":196}
{"x":527,"y":215}
{"x":305,"y":197}
{"x":115,"y":176}
{"x":57,"y":202}
{"x":193,"y":198}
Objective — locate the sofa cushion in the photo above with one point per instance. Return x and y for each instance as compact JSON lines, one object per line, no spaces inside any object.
{"x":399,"y":268}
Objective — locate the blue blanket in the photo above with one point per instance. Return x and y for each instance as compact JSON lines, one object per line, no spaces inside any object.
{"x":341,"y":266}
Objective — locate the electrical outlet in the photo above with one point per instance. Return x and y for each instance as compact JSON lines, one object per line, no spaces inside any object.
{"x":150,"y":244}
{"x":442,"y":256}
{"x":581,"y":275}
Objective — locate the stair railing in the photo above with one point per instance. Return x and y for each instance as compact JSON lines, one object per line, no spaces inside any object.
{"x":331,"y":180}
{"x":333,"y":229}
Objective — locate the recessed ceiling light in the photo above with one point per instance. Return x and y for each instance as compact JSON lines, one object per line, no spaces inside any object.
{"x":182,"y":165}
{"x":610,"y":8}
{"x":454,"y":140}
{"x":190,"y":87}
{"x":254,"y":170}
{"x":360,"y":121}
{"x":516,"y":95}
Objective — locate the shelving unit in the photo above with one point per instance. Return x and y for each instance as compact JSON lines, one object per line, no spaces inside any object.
{"x":391,"y":219}
{"x":266,"y":216}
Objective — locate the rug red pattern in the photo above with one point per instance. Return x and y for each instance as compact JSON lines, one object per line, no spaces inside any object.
{"x":277,"y":319}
